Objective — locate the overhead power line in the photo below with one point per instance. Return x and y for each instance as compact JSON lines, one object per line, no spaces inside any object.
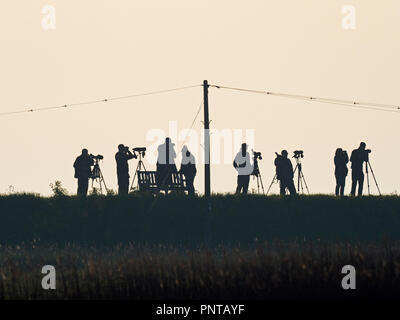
{"x":341,"y":102}
{"x":84,"y":103}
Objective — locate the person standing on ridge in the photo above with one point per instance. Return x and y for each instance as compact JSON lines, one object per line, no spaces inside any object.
{"x":244,"y":168}
{"x":122,"y":157}
{"x":188,"y":169}
{"x":341,"y":159}
{"x":83,"y":172}
{"x":284,"y":173}
{"x":358,"y":157}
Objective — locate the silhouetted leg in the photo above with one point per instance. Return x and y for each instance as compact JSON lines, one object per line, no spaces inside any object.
{"x":189,"y":183}
{"x":246,"y":180}
{"x":337,"y":186}
{"x":360,"y":184}
{"x":123,"y":185}
{"x":343,"y":185}
{"x":340,"y":182}
{"x":83,"y":185}
{"x":353,"y":183}
{"x":238,"y":185}
{"x":161,"y":176}
{"x":80,"y":187}
{"x":285,"y":186}
{"x":79,"y":191}
{"x":167,"y":180}
{"x":291,"y":187}
{"x":282,"y":188}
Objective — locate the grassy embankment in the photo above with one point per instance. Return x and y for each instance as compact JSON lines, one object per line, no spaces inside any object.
{"x":181,"y":220}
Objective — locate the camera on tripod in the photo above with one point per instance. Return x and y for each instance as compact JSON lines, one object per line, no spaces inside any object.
{"x":140,"y":166}
{"x":298,"y":154}
{"x":368,"y":150}
{"x":140,"y":150}
{"x":97,"y":158}
{"x":257,"y":155}
{"x":256,"y":170}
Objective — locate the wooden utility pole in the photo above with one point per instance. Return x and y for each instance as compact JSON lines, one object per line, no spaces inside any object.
{"x":207,"y":178}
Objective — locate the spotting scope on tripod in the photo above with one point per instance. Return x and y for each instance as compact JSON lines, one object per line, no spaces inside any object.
{"x":301,"y":181}
{"x":138,"y":152}
{"x":256,"y":171}
{"x":368,"y":168}
{"x":97,"y":176}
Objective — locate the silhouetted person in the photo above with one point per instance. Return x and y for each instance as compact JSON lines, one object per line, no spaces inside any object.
{"x":284,"y":173}
{"x":244,"y":168}
{"x":358,"y":157}
{"x":165,"y":164}
{"x":188,"y":169}
{"x":83,"y":171}
{"x":341,"y":159}
{"x":122,"y":157}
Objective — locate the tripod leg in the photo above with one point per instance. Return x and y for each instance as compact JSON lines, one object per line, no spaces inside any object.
{"x":272,"y":182}
{"x":366,"y":170}
{"x":104,"y":182}
{"x":135,"y":176}
{"x":262,"y":186}
{"x":97,"y":184}
{"x":297,"y":168}
{"x":298,"y":179}
{"x":301,"y":182}
{"x":258,"y":185}
{"x":373,"y":175}
{"x":305,"y":183}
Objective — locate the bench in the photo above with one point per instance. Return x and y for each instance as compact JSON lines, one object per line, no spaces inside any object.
{"x":148,"y":182}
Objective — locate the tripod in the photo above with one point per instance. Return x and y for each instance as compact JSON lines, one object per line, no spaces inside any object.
{"x":368,"y":164}
{"x":97,"y":177}
{"x":275,"y":178}
{"x":139,"y":167}
{"x":256,"y":173}
{"x":301,"y":181}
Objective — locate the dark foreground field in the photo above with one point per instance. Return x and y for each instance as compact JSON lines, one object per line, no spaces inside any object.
{"x":140,"y":247}
{"x":270,"y":271}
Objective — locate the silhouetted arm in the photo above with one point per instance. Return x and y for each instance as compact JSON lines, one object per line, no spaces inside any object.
{"x":129,"y":155}
{"x":352,"y":156}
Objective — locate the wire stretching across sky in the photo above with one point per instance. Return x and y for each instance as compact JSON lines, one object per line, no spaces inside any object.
{"x":340,"y":102}
{"x":85,"y":103}
{"x":347,"y":103}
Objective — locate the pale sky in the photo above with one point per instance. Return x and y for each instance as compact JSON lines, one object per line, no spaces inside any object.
{"x":103,"y":49}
